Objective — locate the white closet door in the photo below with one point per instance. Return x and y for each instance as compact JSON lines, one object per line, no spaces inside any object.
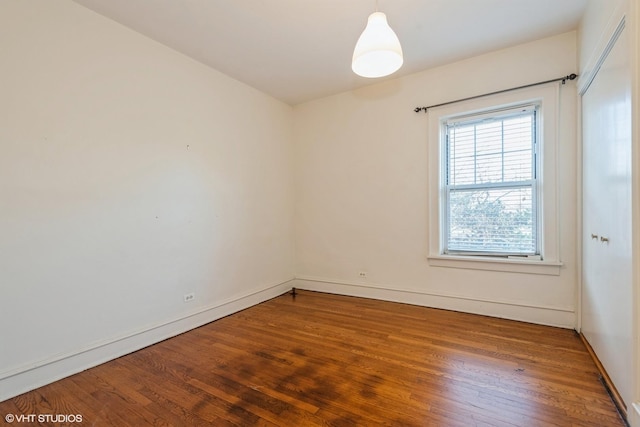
{"x":607,"y":282}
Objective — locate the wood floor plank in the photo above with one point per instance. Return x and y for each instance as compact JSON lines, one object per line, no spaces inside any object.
{"x":329,"y":360}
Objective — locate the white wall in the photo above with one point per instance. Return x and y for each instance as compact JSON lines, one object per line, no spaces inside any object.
{"x":130,"y":175}
{"x":361,"y":190}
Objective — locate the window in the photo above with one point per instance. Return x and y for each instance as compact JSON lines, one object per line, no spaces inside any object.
{"x":493,"y":182}
{"x":490,"y":183}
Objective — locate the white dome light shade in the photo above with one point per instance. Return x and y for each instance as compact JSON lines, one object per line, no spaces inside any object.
{"x":378,"y":52}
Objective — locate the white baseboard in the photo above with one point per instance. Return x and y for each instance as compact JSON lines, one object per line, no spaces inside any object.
{"x":550,"y":316}
{"x":634,"y":415}
{"x":37,"y":374}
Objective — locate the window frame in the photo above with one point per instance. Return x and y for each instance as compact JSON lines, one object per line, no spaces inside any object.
{"x":547,"y":262}
{"x":501,"y":114}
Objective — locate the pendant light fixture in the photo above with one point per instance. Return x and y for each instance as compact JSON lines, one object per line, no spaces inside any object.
{"x":378,"y":52}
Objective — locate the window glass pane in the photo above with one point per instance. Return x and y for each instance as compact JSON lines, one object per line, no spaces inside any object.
{"x":489,"y":168}
{"x":490,"y":177}
{"x":492,"y":220}
{"x":463,"y":170}
{"x":489,"y":138}
{"x":462,"y":155}
{"x":518,"y":133}
{"x":518,"y":166}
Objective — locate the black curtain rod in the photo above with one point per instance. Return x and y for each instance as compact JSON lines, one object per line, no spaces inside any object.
{"x":563,"y":79}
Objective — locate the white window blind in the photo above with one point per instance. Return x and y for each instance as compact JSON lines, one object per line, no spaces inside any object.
{"x":490,"y":183}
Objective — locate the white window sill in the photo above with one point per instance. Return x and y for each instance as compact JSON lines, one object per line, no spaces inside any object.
{"x":549,"y":268}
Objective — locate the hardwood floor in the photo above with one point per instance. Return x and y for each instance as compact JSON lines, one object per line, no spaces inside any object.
{"x":319,"y":359}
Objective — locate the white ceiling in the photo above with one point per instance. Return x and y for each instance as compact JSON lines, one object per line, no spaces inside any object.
{"x":298,"y":50}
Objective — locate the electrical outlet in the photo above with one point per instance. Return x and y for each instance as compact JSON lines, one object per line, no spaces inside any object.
{"x":362,"y":275}
{"x":189,"y":297}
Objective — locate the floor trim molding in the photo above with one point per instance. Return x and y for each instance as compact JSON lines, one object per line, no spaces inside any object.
{"x":549,"y":316}
{"x":30,"y":376}
{"x":606,"y":380}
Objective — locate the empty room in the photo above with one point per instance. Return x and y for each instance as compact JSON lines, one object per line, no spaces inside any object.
{"x":320,"y":212}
